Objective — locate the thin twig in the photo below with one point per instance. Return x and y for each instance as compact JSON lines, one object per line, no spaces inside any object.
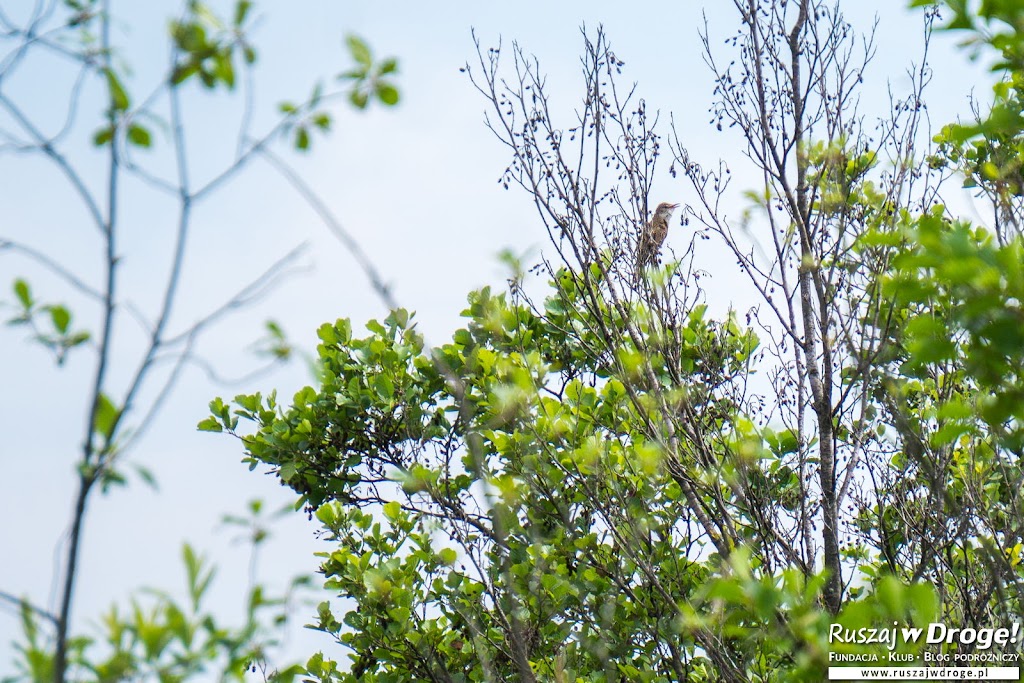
{"x":53,"y":266}
{"x":331,"y":221}
{"x":24,"y":603}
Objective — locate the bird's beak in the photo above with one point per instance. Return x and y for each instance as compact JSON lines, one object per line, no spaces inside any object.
{"x":673,"y":206}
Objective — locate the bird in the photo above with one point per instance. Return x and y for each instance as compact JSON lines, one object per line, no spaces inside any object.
{"x":653,"y":236}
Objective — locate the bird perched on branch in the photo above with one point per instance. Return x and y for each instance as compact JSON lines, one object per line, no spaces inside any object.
{"x":653,"y":236}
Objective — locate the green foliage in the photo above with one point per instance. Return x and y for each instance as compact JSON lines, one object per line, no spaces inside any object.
{"x":575,"y":490}
{"x":989,"y":151}
{"x":368,"y":83}
{"x":207,"y":46}
{"x":50,"y":323}
{"x":275,"y":344}
{"x":157,"y":638}
{"x":971,"y":287}
{"x":505,"y":485}
{"x":947,"y":390}
{"x":368,"y":77}
{"x":961,"y":347}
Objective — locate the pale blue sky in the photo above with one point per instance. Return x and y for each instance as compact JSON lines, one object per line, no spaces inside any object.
{"x":417,"y":186}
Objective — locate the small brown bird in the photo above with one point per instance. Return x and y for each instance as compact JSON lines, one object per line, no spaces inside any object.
{"x":653,"y":236}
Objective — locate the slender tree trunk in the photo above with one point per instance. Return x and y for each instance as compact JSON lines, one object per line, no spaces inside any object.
{"x":815,"y":320}
{"x":60,"y":662}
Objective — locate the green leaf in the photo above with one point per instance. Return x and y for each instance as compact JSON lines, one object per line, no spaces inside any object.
{"x":359,"y":50}
{"x":60,"y":317}
{"x":24,"y":294}
{"x":387,"y":93}
{"x":105,"y":417}
{"x":103,"y":136}
{"x":139,"y":136}
{"x":76,"y":339}
{"x":384,"y":387}
{"x":322,"y":121}
{"x":242,"y":11}
{"x":210,"y":424}
{"x":354,"y":74}
{"x":392,"y":510}
{"x":146,"y":475}
{"x":205,"y":14}
{"x":198,"y":579}
{"x":302,"y":138}
{"x":288,"y":471}
{"x":388,"y":66}
{"x":224,"y":69}
{"x":190,"y":38}
{"x":358,"y":98}
{"x":274,"y":328}
{"x":184,"y":71}
{"x":110,"y":478}
{"x":118,"y":97}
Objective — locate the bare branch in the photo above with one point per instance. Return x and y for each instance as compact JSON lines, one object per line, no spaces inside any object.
{"x":381,"y":288}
